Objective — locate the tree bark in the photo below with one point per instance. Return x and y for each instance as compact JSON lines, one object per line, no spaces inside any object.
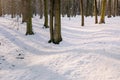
{"x":41,"y":9}
{"x":82,"y":12}
{"x":46,"y":13}
{"x":0,"y":8}
{"x":24,"y":14}
{"x":103,"y":9}
{"x":51,"y":21}
{"x":57,"y":24}
{"x":109,"y":8}
{"x":12,"y":9}
{"x":95,"y":11}
{"x":29,"y":18}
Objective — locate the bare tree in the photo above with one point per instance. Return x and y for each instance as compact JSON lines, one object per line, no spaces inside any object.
{"x":82,"y":12}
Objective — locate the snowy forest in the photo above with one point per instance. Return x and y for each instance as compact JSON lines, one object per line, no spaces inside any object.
{"x":59,"y":39}
{"x":55,"y":8}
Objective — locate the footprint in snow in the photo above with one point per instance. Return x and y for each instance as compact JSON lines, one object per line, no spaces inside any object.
{"x":2,"y":58}
{"x":20,"y":54}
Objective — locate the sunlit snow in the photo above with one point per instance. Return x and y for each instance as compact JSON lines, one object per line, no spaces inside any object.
{"x":91,"y":52}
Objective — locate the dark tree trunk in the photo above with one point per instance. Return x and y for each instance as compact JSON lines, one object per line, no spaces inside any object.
{"x":109,"y":8}
{"x":51,"y":21}
{"x":12,"y":8}
{"x":24,"y":14}
{"x":87,"y":8}
{"x":95,"y":11}
{"x":41,"y":9}
{"x":57,"y":25}
{"x":82,"y":12}
{"x":46,"y":13}
{"x":29,"y":18}
{"x":0,"y":8}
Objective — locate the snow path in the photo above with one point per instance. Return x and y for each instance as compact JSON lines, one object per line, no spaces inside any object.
{"x":86,"y":53}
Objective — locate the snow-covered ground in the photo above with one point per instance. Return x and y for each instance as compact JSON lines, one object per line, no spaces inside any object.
{"x":91,"y":52}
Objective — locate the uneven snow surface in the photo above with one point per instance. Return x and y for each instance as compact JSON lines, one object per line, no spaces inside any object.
{"x":91,"y":52}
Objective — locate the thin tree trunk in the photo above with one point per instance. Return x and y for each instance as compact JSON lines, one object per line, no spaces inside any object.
{"x":114,"y":6}
{"x":95,"y":11}
{"x":12,"y":8}
{"x":109,"y":8}
{"x":87,"y":8}
{"x":24,"y":14}
{"x":41,"y":9}
{"x":51,"y":21}
{"x":0,"y":8}
{"x":82,"y":13}
{"x":46,"y":13}
{"x":117,"y":8}
{"x":99,"y":6}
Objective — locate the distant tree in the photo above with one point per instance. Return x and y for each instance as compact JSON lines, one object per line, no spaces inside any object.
{"x":29,"y":30}
{"x":82,"y":12}
{"x":41,"y":8}
{"x":103,"y":9}
{"x":34,"y":7}
{"x":75,"y":8}
{"x":23,"y":11}
{"x":13,"y":9}
{"x":118,"y":7}
{"x":87,"y":8}
{"x":0,"y":8}
{"x":95,"y":11}
{"x":114,"y":8}
{"x":68,"y":8}
{"x":46,"y":13}
{"x":99,"y":7}
{"x":109,"y":8}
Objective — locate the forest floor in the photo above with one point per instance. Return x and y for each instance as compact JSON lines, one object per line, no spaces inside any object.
{"x":91,"y":52}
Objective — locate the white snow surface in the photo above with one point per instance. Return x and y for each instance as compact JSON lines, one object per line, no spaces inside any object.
{"x":91,"y":52}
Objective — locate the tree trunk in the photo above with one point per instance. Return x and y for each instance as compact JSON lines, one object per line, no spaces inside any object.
{"x":0,"y":8}
{"x":12,"y":8}
{"x":82,"y":12}
{"x":115,"y":8}
{"x":24,"y":14}
{"x":87,"y":8}
{"x":99,"y":6}
{"x":109,"y":8}
{"x":29,"y":18}
{"x":41,"y":9}
{"x":46,"y":13}
{"x":102,"y":19}
{"x":57,"y":25}
{"x":95,"y":11}
{"x":51,"y":21}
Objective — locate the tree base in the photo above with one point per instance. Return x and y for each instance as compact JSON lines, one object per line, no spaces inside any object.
{"x":55,"y":42}
{"x":49,"y":41}
{"x":46,"y":26}
{"x":109,"y":16}
{"x":29,"y":33}
{"x":102,"y":22}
